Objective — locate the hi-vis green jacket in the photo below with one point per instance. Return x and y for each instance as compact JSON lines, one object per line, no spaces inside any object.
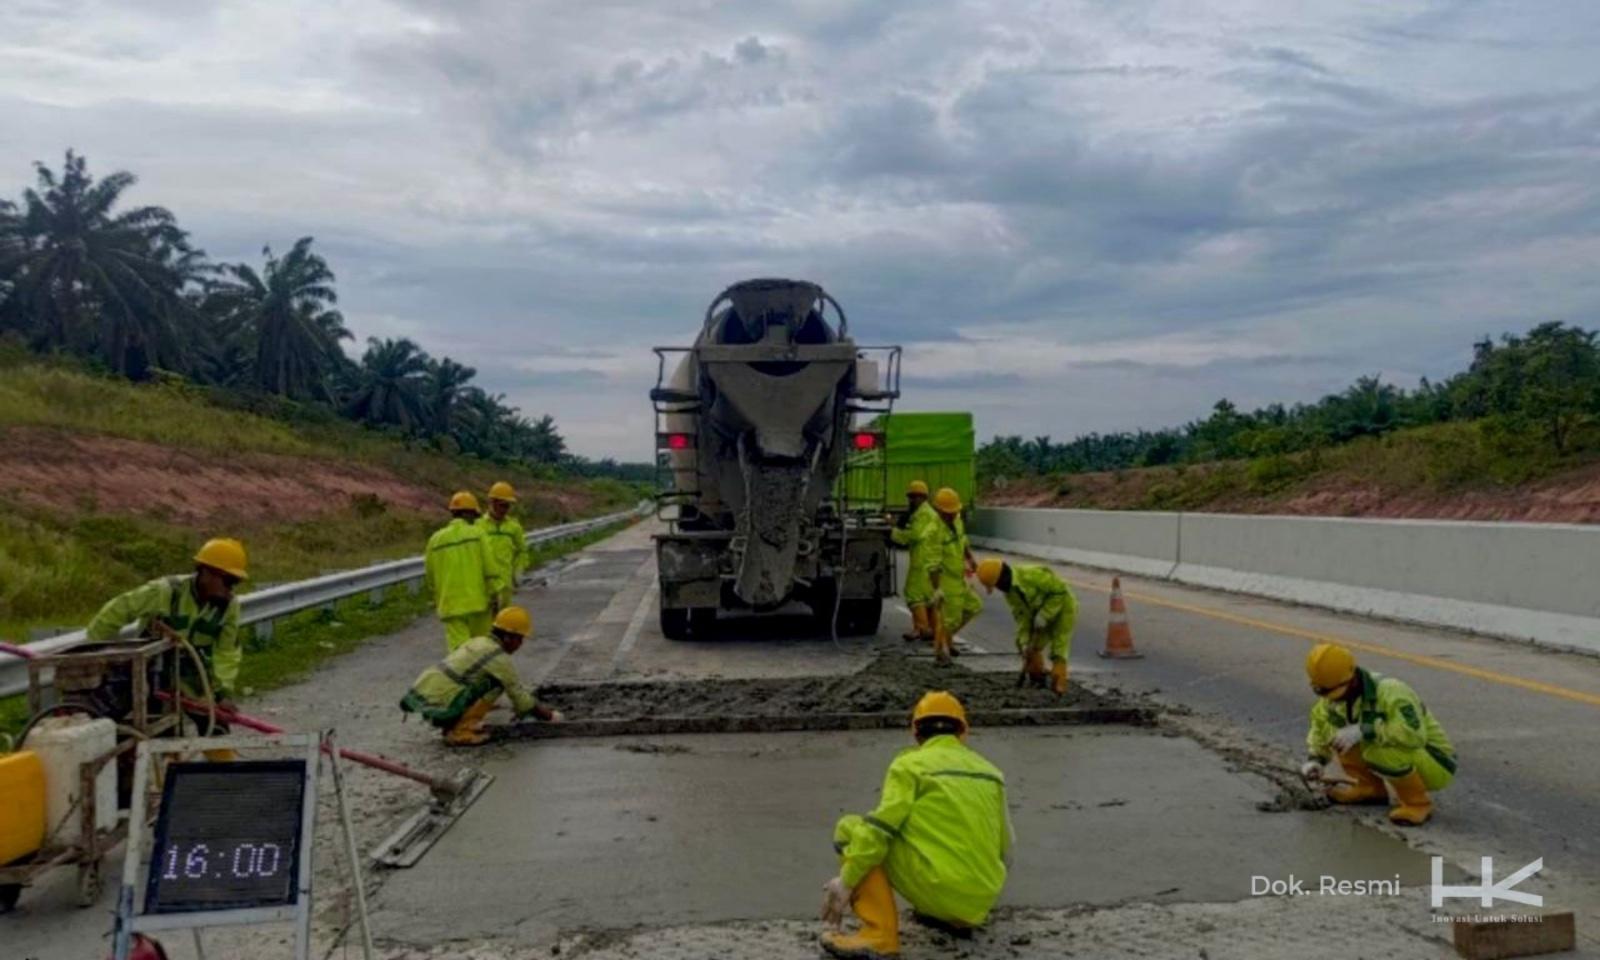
{"x":470,"y":672}
{"x":1390,"y":713}
{"x":508,"y":547}
{"x":214,"y":631}
{"x":1038,"y":595}
{"x":941,"y":830}
{"x":921,"y":536}
{"x":459,"y":569}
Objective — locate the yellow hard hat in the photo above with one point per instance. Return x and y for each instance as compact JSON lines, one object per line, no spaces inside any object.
{"x":502,"y":491}
{"x":917,"y":489}
{"x":989,"y":571}
{"x":514,"y":620}
{"x":939,"y":703}
{"x":225,"y":554}
{"x":462,"y":500}
{"x":947,"y":501}
{"x":1329,"y":667}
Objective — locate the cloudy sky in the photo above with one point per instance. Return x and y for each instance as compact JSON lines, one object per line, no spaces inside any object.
{"x":1075,"y":215}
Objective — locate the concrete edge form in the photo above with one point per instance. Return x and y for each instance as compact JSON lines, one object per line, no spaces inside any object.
{"x":1520,"y":581}
{"x":792,"y":723}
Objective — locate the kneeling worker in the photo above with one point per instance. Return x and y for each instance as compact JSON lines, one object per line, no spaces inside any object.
{"x":1381,"y":733}
{"x":459,"y":692}
{"x":939,"y":836}
{"x":1045,"y":609}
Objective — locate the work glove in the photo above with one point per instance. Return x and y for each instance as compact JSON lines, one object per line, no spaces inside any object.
{"x":1039,"y":623}
{"x":1058,"y":677}
{"x":937,"y":598}
{"x":1347,"y":737}
{"x":1311,"y":771}
{"x":835,"y":900}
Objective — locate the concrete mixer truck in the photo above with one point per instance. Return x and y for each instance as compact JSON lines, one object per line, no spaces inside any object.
{"x":754,"y":424}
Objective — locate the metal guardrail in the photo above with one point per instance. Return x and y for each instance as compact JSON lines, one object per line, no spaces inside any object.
{"x":265,"y":606}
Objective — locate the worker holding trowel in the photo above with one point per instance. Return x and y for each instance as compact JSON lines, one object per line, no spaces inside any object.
{"x":457,"y":694}
{"x":508,"y":542}
{"x":939,"y":837}
{"x":197,"y":609}
{"x":1045,"y":609}
{"x":463,"y":578}
{"x":1384,"y":737}
{"x":954,"y":603}
{"x":919,"y":534}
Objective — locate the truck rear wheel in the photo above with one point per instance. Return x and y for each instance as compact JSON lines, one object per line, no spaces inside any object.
{"x":859,"y":618}
{"x":688,"y":623}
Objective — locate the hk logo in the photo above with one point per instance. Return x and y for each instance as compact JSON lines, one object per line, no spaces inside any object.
{"x":1487,"y":891}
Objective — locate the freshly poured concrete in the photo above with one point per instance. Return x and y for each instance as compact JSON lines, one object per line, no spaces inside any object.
{"x":595,"y":834}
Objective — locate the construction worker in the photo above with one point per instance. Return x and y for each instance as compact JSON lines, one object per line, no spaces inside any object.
{"x":939,"y":837}
{"x":199,"y":608}
{"x":918,"y":532}
{"x":1382,"y":734}
{"x":508,"y":542}
{"x":461,"y":574}
{"x":457,"y":693}
{"x":1045,"y":609}
{"x":954,"y":603}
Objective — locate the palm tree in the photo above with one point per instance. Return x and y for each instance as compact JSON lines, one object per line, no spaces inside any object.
{"x":287,"y":309}
{"x":544,"y":444}
{"x":391,"y":385}
{"x":446,"y":381}
{"x":87,"y":279}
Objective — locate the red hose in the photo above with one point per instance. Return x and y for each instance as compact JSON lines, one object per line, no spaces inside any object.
{"x":354,"y":756}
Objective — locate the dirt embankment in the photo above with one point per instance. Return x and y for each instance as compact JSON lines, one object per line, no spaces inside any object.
{"x":56,"y":470}
{"x":1572,"y":496}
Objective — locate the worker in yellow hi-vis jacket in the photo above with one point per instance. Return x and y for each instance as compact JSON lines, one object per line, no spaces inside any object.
{"x":461,"y":574}
{"x":939,"y":837}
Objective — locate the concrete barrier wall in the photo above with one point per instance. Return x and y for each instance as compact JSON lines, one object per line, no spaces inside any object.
{"x":1538,"y":582}
{"x":1142,"y":543}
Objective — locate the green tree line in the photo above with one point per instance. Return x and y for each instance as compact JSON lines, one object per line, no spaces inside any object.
{"x":125,"y":287}
{"x":1544,"y":384}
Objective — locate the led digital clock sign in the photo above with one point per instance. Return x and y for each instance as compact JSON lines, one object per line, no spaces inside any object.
{"x":227,"y":837}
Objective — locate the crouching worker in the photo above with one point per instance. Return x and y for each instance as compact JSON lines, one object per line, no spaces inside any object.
{"x":1384,"y":737}
{"x":939,"y":836}
{"x":459,"y":692}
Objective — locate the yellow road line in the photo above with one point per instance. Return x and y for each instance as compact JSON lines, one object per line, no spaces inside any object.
{"x":1549,"y":689}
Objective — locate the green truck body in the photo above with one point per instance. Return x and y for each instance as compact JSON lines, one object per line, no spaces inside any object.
{"x":936,"y":448}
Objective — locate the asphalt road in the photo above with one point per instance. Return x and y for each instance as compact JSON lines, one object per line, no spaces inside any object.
{"x":708,"y":845}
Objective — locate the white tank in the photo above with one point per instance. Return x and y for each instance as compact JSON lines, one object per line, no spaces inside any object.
{"x":63,"y":745}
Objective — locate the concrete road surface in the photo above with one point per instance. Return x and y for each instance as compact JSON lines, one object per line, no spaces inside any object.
{"x":1131,"y":841}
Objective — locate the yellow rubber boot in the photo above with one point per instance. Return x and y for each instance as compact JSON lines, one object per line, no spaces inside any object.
{"x":1366,"y":786}
{"x":221,"y":756}
{"x":941,"y":640}
{"x":879,"y":936}
{"x":468,"y":731}
{"x":1415,"y":806}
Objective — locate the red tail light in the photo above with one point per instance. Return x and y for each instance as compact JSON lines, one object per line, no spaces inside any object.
{"x":677,"y":441}
{"x":867,"y":441}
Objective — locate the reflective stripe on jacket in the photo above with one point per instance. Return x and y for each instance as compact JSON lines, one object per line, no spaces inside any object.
{"x":213,"y":631}
{"x":921,"y":537}
{"x":1390,"y":714}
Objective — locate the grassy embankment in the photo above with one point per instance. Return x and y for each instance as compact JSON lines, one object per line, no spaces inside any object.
{"x":1441,"y":463}
{"x":62,"y":553}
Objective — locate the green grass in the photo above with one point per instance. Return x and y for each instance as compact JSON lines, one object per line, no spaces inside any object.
{"x":302,"y":642}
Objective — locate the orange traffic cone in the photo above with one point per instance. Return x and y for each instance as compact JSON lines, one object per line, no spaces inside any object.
{"x":1119,"y":637}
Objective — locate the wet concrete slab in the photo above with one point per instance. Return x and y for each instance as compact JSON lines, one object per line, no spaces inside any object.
{"x":690,"y":829}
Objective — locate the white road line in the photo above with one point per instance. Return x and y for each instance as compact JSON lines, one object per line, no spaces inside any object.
{"x":631,"y":635}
